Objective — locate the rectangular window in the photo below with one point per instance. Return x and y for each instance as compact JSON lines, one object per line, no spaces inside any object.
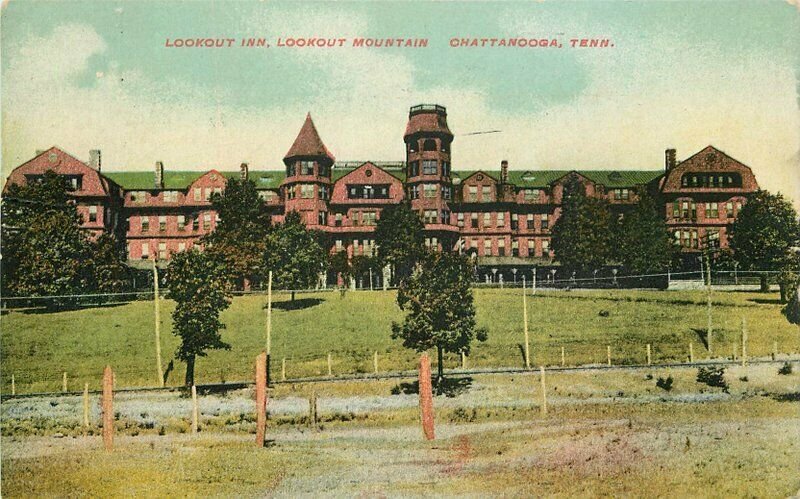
{"x":545,"y":247}
{"x":162,"y":224}
{"x":621,"y":194}
{"x":290,"y":169}
{"x":445,"y":168}
{"x":306,"y":168}
{"x":138,"y":196}
{"x":181,"y":222}
{"x":323,"y":170}
{"x":501,"y":219}
{"x":93,"y":214}
{"x":729,"y":209}
{"x":195,"y":223}
{"x":676,"y":209}
{"x":429,"y":167}
{"x":460,"y":219}
{"x":529,"y":223}
{"x":170,"y":196}
{"x":474,"y":221}
{"x":290,"y":192}
{"x":323,"y":192}
{"x":413,"y":169}
{"x":368,"y":218}
{"x":501,"y":247}
{"x":207,"y":221}
{"x":307,"y":191}
{"x":514,"y":248}
{"x":355,"y":246}
{"x":487,"y":247}
{"x":339,"y":245}
{"x":431,"y":216}
{"x":145,"y":224}
{"x":198,"y":194}
{"x":514,"y":221}
{"x":322,"y":218}
{"x":486,"y":193}
{"x":487,"y":219}
{"x":162,"y":251}
{"x":338,"y":220}
{"x":472,"y":193}
{"x":446,"y":192}
{"x":531,"y":194}
{"x":429,"y":190}
{"x":712,"y":210}
{"x":545,"y":221}
{"x":181,"y":246}
{"x":145,"y":251}
{"x":531,"y":247}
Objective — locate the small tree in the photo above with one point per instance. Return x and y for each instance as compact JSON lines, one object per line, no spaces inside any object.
{"x":239,"y":239}
{"x":763,"y":233}
{"x":339,"y":263}
{"x":198,"y":283}
{"x":441,"y":312}
{"x":643,"y":239}
{"x":110,"y":273}
{"x":582,"y":233}
{"x":400,"y":239}
{"x":294,"y":255}
{"x":792,"y":308}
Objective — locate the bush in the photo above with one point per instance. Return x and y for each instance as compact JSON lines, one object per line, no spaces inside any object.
{"x":785,"y":369}
{"x":665,"y":383}
{"x":712,"y":377}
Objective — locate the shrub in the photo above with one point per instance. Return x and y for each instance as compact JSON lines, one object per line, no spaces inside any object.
{"x":712,"y":377}
{"x":785,"y":369}
{"x":665,"y":383}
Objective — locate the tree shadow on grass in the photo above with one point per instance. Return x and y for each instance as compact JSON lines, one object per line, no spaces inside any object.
{"x":450,"y":387}
{"x":298,"y":304}
{"x":786,"y":397}
{"x":69,"y":308}
{"x":766,"y":301}
{"x":702,"y":335}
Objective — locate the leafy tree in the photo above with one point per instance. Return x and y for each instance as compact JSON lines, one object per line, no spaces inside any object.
{"x":198,"y":283}
{"x":643,"y":241}
{"x":582,"y":233}
{"x":441,"y":312}
{"x":340,"y":264}
{"x":400,"y":239}
{"x":361,"y":266}
{"x":109,"y":273}
{"x":239,"y":240}
{"x":763,"y":233}
{"x":45,"y":251}
{"x":294,"y":254}
{"x":792,"y":308}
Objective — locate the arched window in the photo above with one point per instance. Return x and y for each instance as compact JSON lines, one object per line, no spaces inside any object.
{"x":429,"y":145}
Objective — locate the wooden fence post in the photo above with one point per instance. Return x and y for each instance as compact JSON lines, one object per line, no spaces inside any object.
{"x":283,"y":369}
{"x":563,"y":358}
{"x":544,"y":392}
{"x":312,"y":410}
{"x":774,"y":350}
{"x":108,"y":408}
{"x":86,"y":405}
{"x":744,"y":342}
{"x":608,"y":354}
{"x":261,"y":398}
{"x":426,"y":396}
{"x":525,"y":327}
{"x":649,"y":357}
{"x":13,"y":386}
{"x":375,"y":361}
{"x":64,"y":382}
{"x":330,"y":366}
{"x":463,"y":360}
{"x":691,"y":353}
{"x":195,"y":411}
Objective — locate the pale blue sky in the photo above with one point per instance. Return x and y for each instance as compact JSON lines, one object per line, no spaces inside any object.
{"x":87,"y":74}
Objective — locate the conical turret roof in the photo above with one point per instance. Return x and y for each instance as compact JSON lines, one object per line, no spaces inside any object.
{"x":308,"y":142}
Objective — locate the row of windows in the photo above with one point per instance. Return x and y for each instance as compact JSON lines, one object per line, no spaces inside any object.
{"x":307,"y":191}
{"x":429,"y":145}
{"x":161,"y":247}
{"x":429,"y":167}
{"x":689,"y":238}
{"x":500,"y":220}
{"x":180,"y":220}
{"x":688,"y":209}
{"x":711,"y":180}
{"x":490,"y":246}
{"x":360,"y":246}
{"x":429,"y":191}
{"x":368,"y":191}
{"x":307,"y":168}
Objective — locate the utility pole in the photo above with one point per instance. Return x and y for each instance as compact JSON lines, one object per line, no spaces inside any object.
{"x":156,"y":306}
{"x":269,"y":325}
{"x":709,"y":327}
{"x":525,"y":327}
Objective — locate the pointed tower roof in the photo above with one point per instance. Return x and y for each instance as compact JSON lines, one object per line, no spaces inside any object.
{"x":308,"y":142}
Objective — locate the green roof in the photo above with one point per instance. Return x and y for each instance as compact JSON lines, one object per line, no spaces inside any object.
{"x":271,"y":179}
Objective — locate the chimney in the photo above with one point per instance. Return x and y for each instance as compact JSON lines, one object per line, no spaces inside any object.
{"x":94,"y":159}
{"x":504,"y":172}
{"x":669,"y":159}
{"x":244,"y":173}
{"x":159,"y":175}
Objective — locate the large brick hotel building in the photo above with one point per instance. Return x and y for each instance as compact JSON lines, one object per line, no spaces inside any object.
{"x":503,"y":216}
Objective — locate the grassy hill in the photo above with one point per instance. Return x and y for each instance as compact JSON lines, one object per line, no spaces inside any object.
{"x":37,"y":347}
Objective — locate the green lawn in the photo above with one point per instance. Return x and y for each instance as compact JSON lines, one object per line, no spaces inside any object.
{"x":38,"y":347}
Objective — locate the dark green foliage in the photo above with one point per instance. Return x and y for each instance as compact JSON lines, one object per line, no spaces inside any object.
{"x":110,"y":274}
{"x":665,"y":383}
{"x":45,"y":252}
{"x":340,"y":264}
{"x":400,"y":239}
{"x":582,"y":233}
{"x":294,"y":255}
{"x":763,"y":232}
{"x":201,"y":290}
{"x":439,"y":301}
{"x":786,"y":369}
{"x":643,"y":241}
{"x":712,"y":376}
{"x":239,"y":239}
{"x":361,"y":266}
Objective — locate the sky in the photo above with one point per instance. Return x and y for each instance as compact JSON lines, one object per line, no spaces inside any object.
{"x":98,"y":74}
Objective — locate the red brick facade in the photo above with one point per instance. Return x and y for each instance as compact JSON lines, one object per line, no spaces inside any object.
{"x":502,"y":216}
